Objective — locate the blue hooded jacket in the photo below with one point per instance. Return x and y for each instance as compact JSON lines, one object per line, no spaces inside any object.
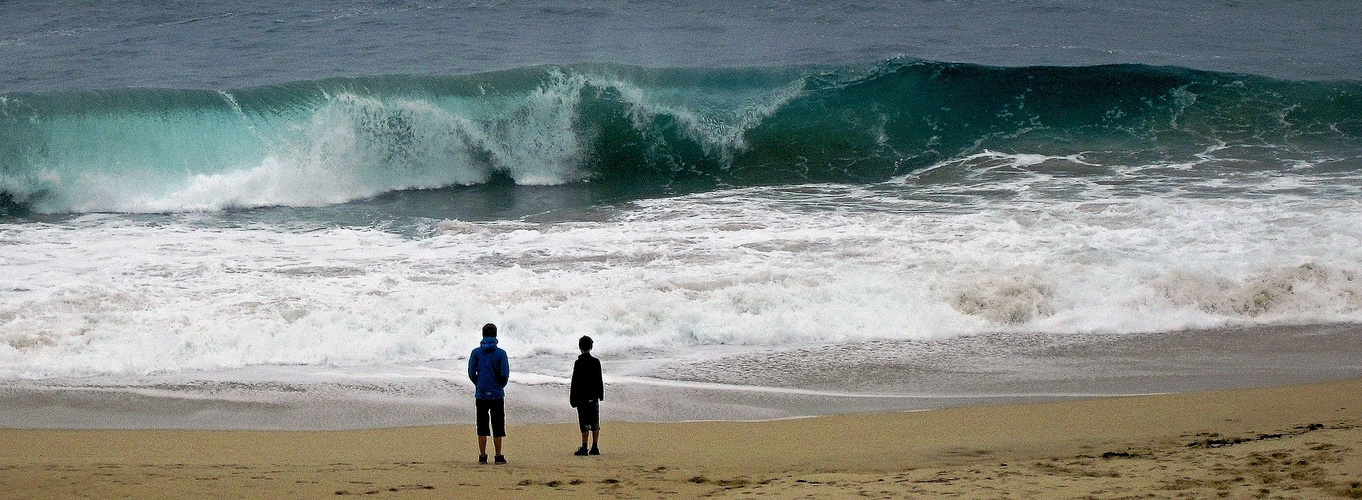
{"x":489,"y":370}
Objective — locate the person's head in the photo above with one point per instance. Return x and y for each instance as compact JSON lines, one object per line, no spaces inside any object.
{"x":489,"y":330}
{"x":584,"y":343}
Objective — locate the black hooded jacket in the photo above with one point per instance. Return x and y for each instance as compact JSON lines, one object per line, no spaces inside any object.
{"x":587,"y":384}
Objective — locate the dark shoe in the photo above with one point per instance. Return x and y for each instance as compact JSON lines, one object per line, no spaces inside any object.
{"x":482,"y":459}
{"x":501,"y":459}
{"x":581,"y":452}
{"x":595,"y":450}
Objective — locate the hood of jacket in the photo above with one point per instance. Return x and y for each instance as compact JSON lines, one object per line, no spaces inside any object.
{"x":489,"y":344}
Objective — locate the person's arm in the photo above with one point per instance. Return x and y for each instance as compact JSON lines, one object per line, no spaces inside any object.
{"x":574,"y":386}
{"x":504,"y":377}
{"x":473,"y":368}
{"x":600,"y":382}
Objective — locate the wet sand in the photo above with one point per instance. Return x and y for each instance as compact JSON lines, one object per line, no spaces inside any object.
{"x":726,"y":384}
{"x":1300,"y":441}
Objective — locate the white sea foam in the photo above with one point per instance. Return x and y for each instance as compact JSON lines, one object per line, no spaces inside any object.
{"x":107,"y":295}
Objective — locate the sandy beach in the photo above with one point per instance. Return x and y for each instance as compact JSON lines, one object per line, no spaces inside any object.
{"x":1285,"y":442}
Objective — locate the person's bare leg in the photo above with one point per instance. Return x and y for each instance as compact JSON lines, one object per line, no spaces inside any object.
{"x":583,"y":438}
{"x":595,"y":438}
{"x":482,"y":445}
{"x":496,"y":441}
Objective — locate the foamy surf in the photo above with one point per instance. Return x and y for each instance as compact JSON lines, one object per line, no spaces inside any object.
{"x":115,"y":296}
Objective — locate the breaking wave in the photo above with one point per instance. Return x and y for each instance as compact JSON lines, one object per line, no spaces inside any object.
{"x":635,"y":129}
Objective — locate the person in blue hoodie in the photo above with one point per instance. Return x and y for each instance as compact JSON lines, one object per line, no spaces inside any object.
{"x":490,"y":370}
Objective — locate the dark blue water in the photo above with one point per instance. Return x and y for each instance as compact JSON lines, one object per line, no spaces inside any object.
{"x":63,"y":45}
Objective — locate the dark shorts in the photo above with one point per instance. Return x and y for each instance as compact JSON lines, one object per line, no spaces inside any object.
{"x":589,"y":416}
{"x":492,"y":417}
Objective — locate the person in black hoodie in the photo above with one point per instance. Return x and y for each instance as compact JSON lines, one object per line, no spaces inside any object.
{"x":585,"y":394}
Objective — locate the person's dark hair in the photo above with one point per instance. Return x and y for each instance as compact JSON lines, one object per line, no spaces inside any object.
{"x":584,"y":343}
{"x":489,"y":330}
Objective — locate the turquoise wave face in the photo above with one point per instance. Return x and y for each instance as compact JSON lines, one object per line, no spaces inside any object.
{"x":637,"y":129}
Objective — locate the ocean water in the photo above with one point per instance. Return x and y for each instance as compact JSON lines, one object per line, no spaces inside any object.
{"x":845,"y":207}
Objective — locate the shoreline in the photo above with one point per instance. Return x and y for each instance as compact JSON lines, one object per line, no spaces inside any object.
{"x":1300,"y":441}
{"x":869,"y":377}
